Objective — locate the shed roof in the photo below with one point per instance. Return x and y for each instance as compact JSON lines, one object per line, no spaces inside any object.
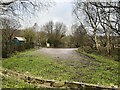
{"x":20,"y":38}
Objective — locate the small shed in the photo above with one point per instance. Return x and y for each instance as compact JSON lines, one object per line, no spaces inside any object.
{"x":18,"y":40}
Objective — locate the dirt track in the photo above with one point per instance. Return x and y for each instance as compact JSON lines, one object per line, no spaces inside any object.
{"x":62,"y":53}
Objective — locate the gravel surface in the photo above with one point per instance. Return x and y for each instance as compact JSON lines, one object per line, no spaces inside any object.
{"x":62,"y":53}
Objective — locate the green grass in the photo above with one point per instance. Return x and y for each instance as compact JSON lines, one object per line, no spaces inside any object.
{"x":108,"y":68}
{"x":10,"y":82}
{"x":41,"y":66}
{"x":99,"y":71}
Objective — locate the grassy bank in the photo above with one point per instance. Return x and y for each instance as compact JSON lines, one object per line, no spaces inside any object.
{"x":97,"y":71}
{"x":10,"y":82}
{"x":108,"y":68}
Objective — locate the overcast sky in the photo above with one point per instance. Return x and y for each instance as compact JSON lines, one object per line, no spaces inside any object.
{"x":60,"y":12}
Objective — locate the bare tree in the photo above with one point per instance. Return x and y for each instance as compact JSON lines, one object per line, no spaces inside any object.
{"x":60,"y":30}
{"x":41,"y":38}
{"x":91,"y":16}
{"x":8,"y":28}
{"x":112,"y":8}
{"x":102,"y":17}
{"x":55,"y":32}
{"x":79,"y":35}
{"x":49,"y":27}
{"x":20,"y":7}
{"x":109,"y":20}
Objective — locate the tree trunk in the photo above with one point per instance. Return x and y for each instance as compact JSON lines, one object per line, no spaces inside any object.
{"x":108,"y":36}
{"x":108,"y":41}
{"x":0,"y":44}
{"x":95,"y":40}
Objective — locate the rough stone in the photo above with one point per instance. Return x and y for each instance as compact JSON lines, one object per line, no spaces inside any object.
{"x":58,"y":84}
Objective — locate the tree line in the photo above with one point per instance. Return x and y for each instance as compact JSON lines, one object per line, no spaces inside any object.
{"x":104,"y":19}
{"x":52,"y":33}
